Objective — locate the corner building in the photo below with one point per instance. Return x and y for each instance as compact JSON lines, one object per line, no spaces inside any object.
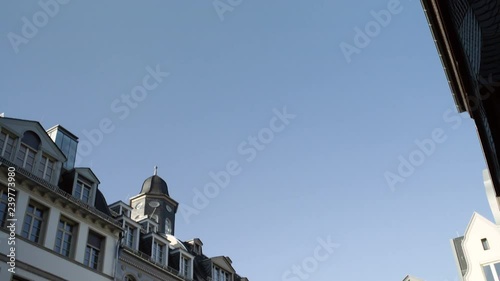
{"x":65,"y":229}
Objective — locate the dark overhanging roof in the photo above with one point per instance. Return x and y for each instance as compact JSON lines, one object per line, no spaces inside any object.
{"x":442,"y":22}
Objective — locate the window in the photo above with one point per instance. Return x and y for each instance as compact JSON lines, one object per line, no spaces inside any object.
{"x":486,"y":245}
{"x":64,"y":237}
{"x":93,"y":250}
{"x":492,"y":272}
{"x":26,"y":157}
{"x":158,"y":254}
{"x":33,"y":223}
{"x":4,"y":203}
{"x":82,"y":190}
{"x":168,"y":226}
{"x":220,"y":275}
{"x":185,"y":266}
{"x":45,"y":168}
{"x":129,"y":236}
{"x":6,"y":145}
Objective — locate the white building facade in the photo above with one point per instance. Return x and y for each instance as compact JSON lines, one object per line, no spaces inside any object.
{"x":55,"y":223}
{"x":477,"y":253}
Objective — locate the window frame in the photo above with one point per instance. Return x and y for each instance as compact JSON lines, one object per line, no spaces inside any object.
{"x":48,"y":160}
{"x":185,"y":261}
{"x":72,"y":235}
{"x":129,"y":233}
{"x":27,"y":150}
{"x":158,"y":248}
{"x":79,"y":194}
{"x":492,"y":268}
{"x":33,"y":216}
{"x":91,"y":251}
{"x":3,"y":149}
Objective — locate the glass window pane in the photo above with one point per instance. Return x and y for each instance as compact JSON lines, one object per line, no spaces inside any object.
{"x":488,"y":274}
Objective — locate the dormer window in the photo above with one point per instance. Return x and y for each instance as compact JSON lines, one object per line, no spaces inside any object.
{"x":83,"y":190}
{"x":6,"y":145}
{"x":158,"y":253}
{"x":220,"y":274}
{"x":129,"y":236}
{"x":45,"y":168}
{"x":185,"y":267}
{"x":30,"y":143}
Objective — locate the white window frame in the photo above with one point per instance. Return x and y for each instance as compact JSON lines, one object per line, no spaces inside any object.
{"x":94,"y":252}
{"x":182,"y":268}
{"x":65,"y":233}
{"x":45,"y":166}
{"x":129,"y":233}
{"x":158,"y":252}
{"x":33,"y":216}
{"x":83,"y":185}
{"x":493,"y":270}
{"x":26,"y":154}
{"x":5,"y":144}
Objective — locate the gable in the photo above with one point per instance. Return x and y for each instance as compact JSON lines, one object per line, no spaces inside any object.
{"x":87,"y":173}
{"x":223,"y":263}
{"x":18,"y":127}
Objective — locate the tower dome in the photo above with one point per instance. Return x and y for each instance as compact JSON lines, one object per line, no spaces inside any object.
{"x":154,"y":185}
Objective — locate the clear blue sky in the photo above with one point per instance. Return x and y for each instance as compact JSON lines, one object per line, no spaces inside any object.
{"x":323,"y":175}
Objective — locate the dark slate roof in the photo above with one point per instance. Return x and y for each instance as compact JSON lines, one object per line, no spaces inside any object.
{"x":154,"y":185}
{"x":100,"y":203}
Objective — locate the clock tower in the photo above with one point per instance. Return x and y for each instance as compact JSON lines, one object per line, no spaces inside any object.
{"x":155,"y":203}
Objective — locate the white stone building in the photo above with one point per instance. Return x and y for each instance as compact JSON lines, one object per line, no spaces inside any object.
{"x":55,"y":223}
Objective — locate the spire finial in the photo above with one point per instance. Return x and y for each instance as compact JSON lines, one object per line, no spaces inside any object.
{"x":155,"y":171}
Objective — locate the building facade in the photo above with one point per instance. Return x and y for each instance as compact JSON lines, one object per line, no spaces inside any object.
{"x":55,"y":223}
{"x":477,"y":252}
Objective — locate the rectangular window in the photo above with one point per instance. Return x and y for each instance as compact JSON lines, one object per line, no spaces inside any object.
{"x":158,"y":252}
{"x":129,"y":236}
{"x":486,"y":245}
{"x":185,"y":265}
{"x":82,"y":190}
{"x":26,"y":157}
{"x":220,"y":275}
{"x":33,"y":223}
{"x":488,"y":273}
{"x":6,"y":145}
{"x":45,"y":168}
{"x":4,"y":202}
{"x":64,"y":237}
{"x":93,"y":250}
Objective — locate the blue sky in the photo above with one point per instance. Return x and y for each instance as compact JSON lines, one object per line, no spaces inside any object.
{"x":321,"y":177}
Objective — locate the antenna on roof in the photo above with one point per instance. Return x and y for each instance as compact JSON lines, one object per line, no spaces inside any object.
{"x":155,"y":171}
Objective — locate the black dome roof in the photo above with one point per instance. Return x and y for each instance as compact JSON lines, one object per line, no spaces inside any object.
{"x":154,"y":185}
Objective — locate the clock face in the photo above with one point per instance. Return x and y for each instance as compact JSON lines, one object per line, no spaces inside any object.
{"x":139,"y":206}
{"x":168,"y":208}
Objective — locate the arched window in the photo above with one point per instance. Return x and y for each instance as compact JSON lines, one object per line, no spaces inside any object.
{"x":168,"y":226}
{"x":31,"y":139}
{"x":30,"y":143}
